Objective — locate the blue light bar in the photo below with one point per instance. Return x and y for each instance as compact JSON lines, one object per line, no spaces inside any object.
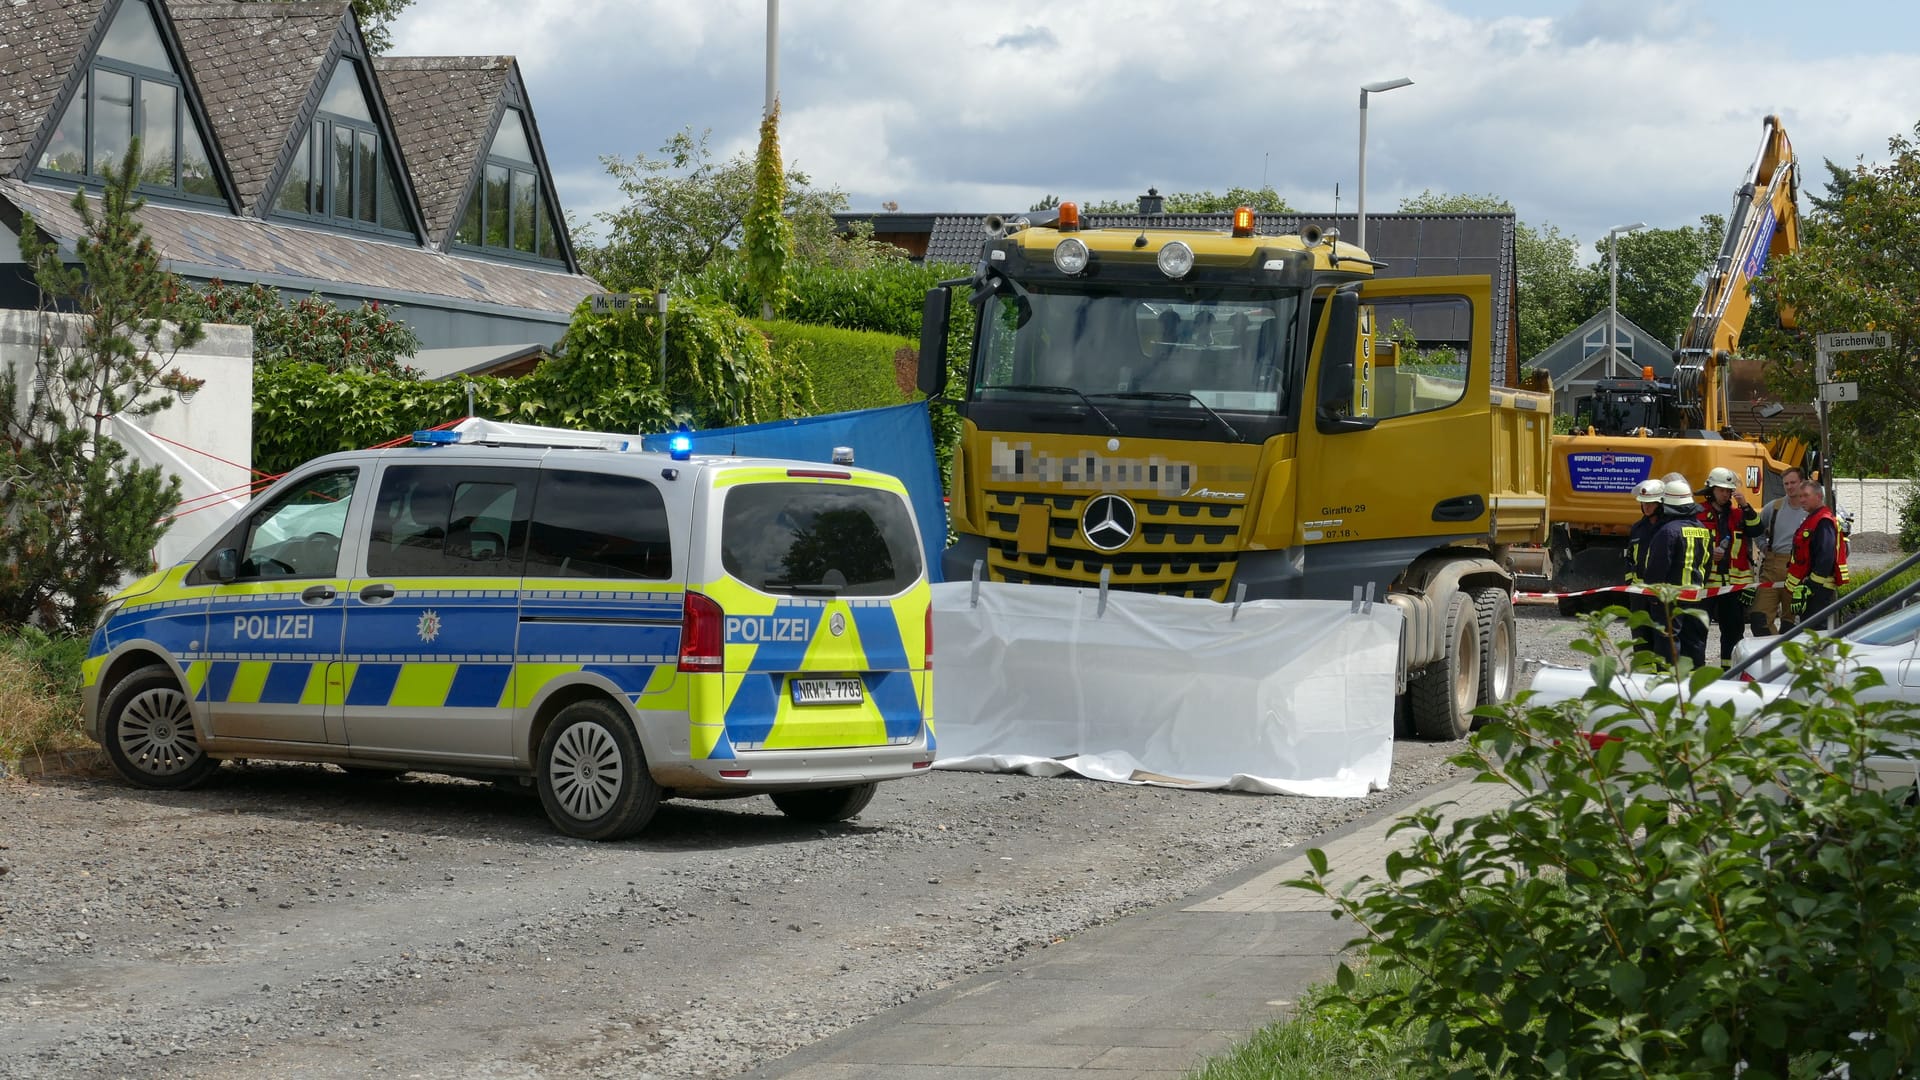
{"x":680,"y":447}
{"x":436,"y":438}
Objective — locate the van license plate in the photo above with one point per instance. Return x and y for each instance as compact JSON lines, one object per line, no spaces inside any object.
{"x":826,"y":691}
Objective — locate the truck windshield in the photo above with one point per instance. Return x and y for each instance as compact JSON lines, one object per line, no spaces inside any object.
{"x":1208,"y":350}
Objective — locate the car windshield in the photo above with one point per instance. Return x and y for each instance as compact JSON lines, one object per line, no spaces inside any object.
{"x":1227,"y":352}
{"x":1893,"y":628}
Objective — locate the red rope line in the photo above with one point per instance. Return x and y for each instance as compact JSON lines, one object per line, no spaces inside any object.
{"x":261,"y":480}
{"x":203,"y":453}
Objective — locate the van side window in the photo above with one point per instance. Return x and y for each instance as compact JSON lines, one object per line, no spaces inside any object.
{"x":593,"y":525}
{"x":299,"y":535}
{"x":440,"y":522}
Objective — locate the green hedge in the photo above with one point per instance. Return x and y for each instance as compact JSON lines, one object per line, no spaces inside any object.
{"x":720,"y":372}
{"x":885,"y":297}
{"x":850,"y":369}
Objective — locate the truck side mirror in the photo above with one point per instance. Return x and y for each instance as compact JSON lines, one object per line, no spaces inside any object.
{"x":934,"y":316}
{"x":1332,"y":413}
{"x":224,"y":566}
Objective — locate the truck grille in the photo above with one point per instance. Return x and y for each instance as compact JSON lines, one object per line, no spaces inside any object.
{"x":1180,"y":547}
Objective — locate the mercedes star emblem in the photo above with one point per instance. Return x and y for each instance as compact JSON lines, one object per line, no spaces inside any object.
{"x":838,"y":624}
{"x":1108,"y":522}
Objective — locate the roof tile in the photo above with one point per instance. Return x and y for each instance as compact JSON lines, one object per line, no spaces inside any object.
{"x":254,"y":65}
{"x":38,"y":51}
{"x":443,"y":109}
{"x":200,"y":244}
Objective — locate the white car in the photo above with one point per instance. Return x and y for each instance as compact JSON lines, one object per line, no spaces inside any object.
{"x":1889,"y":644}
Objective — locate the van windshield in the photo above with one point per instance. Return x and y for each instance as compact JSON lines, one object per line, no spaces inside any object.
{"x":819,"y":540}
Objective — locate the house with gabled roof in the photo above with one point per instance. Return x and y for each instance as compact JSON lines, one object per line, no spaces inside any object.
{"x":276,"y":150}
{"x":1581,"y":357}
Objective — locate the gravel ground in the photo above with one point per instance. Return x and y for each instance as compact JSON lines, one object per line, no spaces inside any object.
{"x":290,"y":920}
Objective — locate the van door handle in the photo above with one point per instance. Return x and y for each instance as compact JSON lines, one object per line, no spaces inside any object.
{"x":318,"y":594}
{"x":377,"y":594}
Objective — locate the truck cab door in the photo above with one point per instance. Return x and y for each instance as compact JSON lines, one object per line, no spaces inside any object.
{"x":1396,"y":446}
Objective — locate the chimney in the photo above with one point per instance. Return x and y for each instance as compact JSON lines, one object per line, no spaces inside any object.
{"x":1151,"y":203}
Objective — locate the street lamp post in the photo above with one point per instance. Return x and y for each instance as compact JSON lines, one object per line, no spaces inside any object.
{"x":1360,"y":193}
{"x":1613,"y":290}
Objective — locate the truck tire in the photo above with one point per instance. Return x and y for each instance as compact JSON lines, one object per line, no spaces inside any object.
{"x":1443,"y":694}
{"x":1499,"y":645}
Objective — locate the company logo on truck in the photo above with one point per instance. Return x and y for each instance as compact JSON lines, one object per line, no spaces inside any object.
{"x":1019,"y":462}
{"x":1608,"y":471}
{"x":1109,"y":522}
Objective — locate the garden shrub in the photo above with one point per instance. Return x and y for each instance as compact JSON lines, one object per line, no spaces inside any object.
{"x":1700,"y":895}
{"x":720,"y":372}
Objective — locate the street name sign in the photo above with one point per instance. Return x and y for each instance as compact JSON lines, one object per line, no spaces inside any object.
{"x":1854,"y":341}
{"x":606,"y":303}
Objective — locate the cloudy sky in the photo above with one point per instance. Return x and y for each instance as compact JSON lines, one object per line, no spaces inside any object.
{"x":1583,"y":113}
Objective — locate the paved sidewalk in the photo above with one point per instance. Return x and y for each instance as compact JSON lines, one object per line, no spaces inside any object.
{"x":1149,"y":996}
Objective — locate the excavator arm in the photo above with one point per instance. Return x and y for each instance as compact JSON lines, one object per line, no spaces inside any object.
{"x":1765,"y":222}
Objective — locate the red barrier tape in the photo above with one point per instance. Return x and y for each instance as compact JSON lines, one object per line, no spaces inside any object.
{"x":1700,"y":593}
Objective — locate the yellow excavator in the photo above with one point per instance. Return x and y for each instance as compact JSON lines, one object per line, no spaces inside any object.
{"x":1648,"y":427}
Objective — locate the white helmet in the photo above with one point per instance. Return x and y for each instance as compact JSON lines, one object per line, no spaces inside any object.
{"x":1677,"y":493}
{"x":1649,"y":491}
{"x":1722,"y":477}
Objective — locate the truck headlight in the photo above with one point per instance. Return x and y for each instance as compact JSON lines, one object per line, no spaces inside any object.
{"x":1175,"y":259}
{"x":1070,"y":256}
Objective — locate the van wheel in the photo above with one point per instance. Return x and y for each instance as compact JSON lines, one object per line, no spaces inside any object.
{"x":825,"y":804}
{"x":592,"y":774}
{"x":1443,"y":696}
{"x":1499,"y":646}
{"x":149,"y":732}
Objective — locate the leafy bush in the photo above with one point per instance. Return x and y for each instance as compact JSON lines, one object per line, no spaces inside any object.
{"x":1701,"y":895}
{"x":849,"y":369}
{"x":314,"y":329}
{"x":720,"y":372}
{"x":1910,"y":519}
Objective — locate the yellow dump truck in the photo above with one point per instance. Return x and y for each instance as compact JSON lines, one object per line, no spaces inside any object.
{"x":1230,"y":415}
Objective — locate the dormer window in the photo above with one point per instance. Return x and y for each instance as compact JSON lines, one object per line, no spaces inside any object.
{"x":133,"y":87}
{"x":509,"y":210}
{"x":343,"y":171}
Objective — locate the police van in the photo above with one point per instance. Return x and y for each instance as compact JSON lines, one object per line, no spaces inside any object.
{"x":617,"y":626}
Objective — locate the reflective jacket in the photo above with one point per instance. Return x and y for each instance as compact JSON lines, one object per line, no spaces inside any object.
{"x":1819,"y":551}
{"x":1639,"y":538}
{"x":1734,"y":532}
{"x":1680,"y":551}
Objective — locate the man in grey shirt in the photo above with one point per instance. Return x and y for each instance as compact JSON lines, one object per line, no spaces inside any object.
{"x":1778,"y":521}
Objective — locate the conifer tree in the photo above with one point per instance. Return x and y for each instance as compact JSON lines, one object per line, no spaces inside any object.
{"x":77,"y":513}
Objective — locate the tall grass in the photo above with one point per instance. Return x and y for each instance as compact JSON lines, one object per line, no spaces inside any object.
{"x":1325,"y":1040}
{"x":39,"y":692}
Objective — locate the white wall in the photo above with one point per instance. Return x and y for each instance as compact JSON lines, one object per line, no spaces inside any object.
{"x":1875,"y":504}
{"x":9,"y":246}
{"x":210,"y":435}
